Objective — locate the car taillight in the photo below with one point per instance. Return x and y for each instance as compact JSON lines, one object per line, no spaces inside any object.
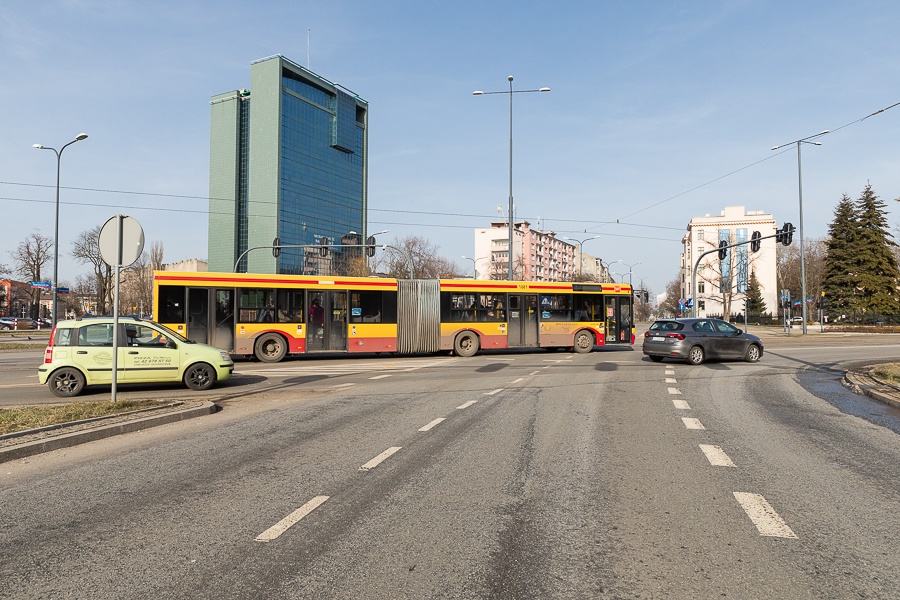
{"x":48,"y":353}
{"x":677,"y":336}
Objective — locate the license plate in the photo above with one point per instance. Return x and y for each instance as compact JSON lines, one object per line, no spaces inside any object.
{"x":657,"y":339}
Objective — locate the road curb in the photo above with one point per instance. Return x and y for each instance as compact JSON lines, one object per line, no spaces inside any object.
{"x":101,"y":431}
{"x":861,"y":382}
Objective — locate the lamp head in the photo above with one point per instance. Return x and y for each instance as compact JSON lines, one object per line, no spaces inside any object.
{"x":38,"y":146}
{"x":81,"y":136}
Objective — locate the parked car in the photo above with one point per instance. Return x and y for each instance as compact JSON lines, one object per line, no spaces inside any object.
{"x":8,"y":323}
{"x":697,"y":340}
{"x":80,"y":354}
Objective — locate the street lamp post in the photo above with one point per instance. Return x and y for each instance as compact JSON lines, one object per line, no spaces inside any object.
{"x":630,"y":267}
{"x":474,"y":267}
{"x":78,"y":138}
{"x":581,"y":251}
{"x":800,"y":228}
{"x":511,"y":207}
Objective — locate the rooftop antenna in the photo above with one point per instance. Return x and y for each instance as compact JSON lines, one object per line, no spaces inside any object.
{"x":539,"y":221}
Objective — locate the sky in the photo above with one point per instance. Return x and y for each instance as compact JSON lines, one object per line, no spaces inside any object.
{"x":659,"y":112}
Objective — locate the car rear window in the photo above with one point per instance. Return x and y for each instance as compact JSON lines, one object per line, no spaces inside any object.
{"x":666,"y":326}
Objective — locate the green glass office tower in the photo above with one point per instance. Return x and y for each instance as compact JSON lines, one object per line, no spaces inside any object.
{"x":288,"y":160}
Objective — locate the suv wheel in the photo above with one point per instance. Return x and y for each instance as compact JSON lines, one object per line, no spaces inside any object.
{"x":66,"y":382}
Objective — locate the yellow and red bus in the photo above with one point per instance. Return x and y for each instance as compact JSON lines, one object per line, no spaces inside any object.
{"x":272,"y":316}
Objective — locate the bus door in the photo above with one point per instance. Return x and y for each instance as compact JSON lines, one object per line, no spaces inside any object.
{"x":618,"y":320}
{"x":198,"y":315}
{"x":327,"y":323}
{"x":222,"y":327}
{"x":523,"y":321}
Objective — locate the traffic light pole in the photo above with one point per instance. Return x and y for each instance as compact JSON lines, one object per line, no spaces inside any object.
{"x":787,"y":230}
{"x":280,"y":247}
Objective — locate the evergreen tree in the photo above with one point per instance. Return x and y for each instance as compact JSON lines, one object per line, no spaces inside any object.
{"x":840,"y":277}
{"x":877,"y":274}
{"x":755,"y":303}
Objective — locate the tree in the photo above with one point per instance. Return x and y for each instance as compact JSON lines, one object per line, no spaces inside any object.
{"x":30,"y":257}
{"x":755,"y":303}
{"x":86,"y":250}
{"x":426,"y":264}
{"x":877,"y":274}
{"x":669,"y":306}
{"x":839,"y":280}
{"x":788,"y":268}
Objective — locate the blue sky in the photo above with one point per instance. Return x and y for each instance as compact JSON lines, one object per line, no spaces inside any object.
{"x":659,"y":112}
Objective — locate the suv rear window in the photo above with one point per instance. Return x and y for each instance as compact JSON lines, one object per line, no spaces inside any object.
{"x":667,"y":326}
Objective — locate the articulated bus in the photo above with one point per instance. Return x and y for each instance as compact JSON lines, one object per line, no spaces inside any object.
{"x":272,"y":316}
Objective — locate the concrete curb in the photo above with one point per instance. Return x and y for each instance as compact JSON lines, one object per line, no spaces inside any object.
{"x":861,"y":382}
{"x":66,"y":440}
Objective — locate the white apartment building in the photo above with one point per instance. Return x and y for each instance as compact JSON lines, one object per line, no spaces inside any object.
{"x":536,"y":255}
{"x":734,"y":224}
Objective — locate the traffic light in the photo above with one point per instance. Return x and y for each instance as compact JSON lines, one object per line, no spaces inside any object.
{"x":755,"y":242}
{"x":370,"y":246}
{"x":323,"y":246}
{"x":723,"y":249}
{"x":785,"y":235}
{"x":276,"y":250}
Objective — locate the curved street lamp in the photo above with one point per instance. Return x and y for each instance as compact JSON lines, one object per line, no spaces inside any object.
{"x":78,"y":138}
{"x":630,"y":267}
{"x":511,"y":207}
{"x":581,"y":251}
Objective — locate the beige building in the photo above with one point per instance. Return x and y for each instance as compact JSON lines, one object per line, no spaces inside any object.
{"x":722,"y":283}
{"x":536,"y":255}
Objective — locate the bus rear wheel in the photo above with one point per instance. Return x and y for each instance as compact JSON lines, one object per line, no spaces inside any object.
{"x":466,"y":344}
{"x":584,"y":342}
{"x":270,"y":347}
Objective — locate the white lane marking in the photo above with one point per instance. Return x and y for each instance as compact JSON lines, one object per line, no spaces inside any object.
{"x":380,"y":458}
{"x":432,"y":424}
{"x":517,"y":380}
{"x":379,"y":377}
{"x":292,"y":519}
{"x":467,"y":404}
{"x":533,"y":373}
{"x":674,"y":391}
{"x":342,"y":385}
{"x":497,"y":391}
{"x":692,"y":423}
{"x":16,"y":385}
{"x":671,"y":380}
{"x":716,"y":456}
{"x":681,"y":404}
{"x":492,"y":359}
{"x":767,"y":521}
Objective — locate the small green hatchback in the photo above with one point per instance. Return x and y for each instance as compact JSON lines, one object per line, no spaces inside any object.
{"x":80,"y":354}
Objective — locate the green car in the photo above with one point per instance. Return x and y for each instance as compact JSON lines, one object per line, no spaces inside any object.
{"x":80,"y":354}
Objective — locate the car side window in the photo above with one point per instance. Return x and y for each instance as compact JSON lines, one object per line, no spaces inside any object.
{"x":726,"y":327}
{"x":95,"y":334}
{"x":142,"y":335}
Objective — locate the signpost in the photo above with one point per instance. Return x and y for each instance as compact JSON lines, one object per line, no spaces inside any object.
{"x":121,"y":243}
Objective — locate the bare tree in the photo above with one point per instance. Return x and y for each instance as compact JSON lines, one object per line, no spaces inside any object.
{"x":30,"y":257}
{"x":86,"y":250}
{"x":669,"y":306}
{"x":156,"y":255}
{"x":788,"y":264}
{"x":426,"y":264}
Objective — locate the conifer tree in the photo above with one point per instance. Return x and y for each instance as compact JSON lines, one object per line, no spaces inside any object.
{"x":755,"y":303}
{"x":840,"y":277}
{"x":877,"y":274}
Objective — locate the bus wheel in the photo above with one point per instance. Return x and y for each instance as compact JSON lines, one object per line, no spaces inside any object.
{"x":270,"y":347}
{"x":584,"y":342}
{"x":466,"y":344}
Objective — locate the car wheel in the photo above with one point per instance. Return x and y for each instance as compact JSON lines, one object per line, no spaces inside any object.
{"x":584,"y":342}
{"x":466,"y":344}
{"x":4,"y":327}
{"x":656,"y":358}
{"x":271,"y":348}
{"x":66,"y":382}
{"x":199,"y":376}
{"x":753,"y":354}
{"x":696,"y":355}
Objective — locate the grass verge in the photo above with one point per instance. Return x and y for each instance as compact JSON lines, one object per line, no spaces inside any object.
{"x":32,"y":417}
{"x":888,"y":372}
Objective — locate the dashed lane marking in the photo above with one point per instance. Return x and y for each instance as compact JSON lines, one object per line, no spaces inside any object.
{"x":671,"y":380}
{"x":517,"y":380}
{"x":692,"y":423}
{"x":342,"y":385}
{"x":380,"y":458}
{"x":681,"y":404}
{"x":767,"y":521}
{"x":379,"y":377}
{"x":292,"y":519}
{"x":432,"y":424}
{"x":466,"y":405}
{"x":674,"y":391}
{"x":497,"y":391}
{"x":716,"y":456}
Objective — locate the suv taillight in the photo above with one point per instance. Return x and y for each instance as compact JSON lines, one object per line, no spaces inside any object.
{"x":48,"y":353}
{"x":677,"y":336}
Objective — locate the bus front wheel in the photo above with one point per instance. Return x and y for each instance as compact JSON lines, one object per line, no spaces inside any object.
{"x":466,"y":344}
{"x":271,"y":348}
{"x":584,"y":342}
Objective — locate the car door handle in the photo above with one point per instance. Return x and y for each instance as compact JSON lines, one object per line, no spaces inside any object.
{"x":133,"y":352}
{"x":81,"y":352}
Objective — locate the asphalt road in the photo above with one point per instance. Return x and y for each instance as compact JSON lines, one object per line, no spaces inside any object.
{"x":550,"y":475}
